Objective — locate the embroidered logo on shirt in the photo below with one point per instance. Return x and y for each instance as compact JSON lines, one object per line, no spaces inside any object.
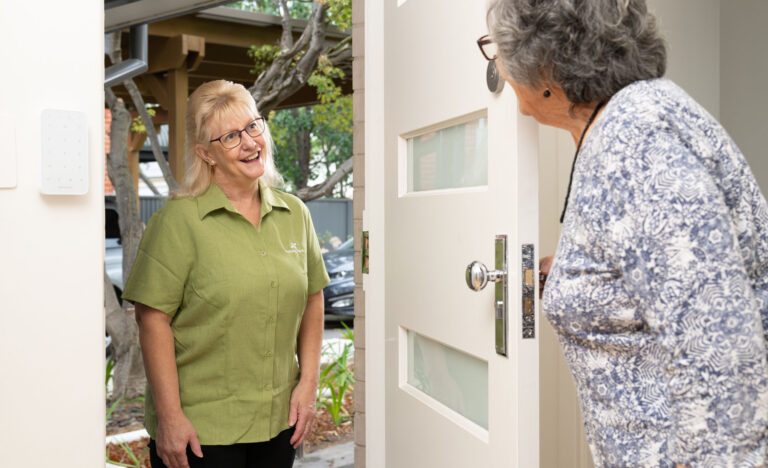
{"x":294,"y":249}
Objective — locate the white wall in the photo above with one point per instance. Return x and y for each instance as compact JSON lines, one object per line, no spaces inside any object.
{"x":51,"y":247}
{"x":743,"y":80}
{"x":692,"y":31}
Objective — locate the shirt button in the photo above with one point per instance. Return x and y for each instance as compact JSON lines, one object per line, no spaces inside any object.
{"x":263,"y":253}
{"x":274,"y":283}
{"x":268,"y":354}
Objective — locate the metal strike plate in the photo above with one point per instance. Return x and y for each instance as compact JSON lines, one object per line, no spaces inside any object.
{"x":528,"y":292}
{"x":500,"y":318}
{"x":364,"y":252}
{"x":478,"y":276}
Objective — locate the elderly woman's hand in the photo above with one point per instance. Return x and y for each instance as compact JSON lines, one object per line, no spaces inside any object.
{"x":302,"y":413}
{"x":173,"y":436}
{"x":545,"y":264}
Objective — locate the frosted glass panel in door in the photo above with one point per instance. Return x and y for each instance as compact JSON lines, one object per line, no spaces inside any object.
{"x":451,"y":157}
{"x":455,"y":379}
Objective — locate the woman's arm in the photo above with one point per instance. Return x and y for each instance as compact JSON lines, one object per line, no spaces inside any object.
{"x":310,"y":341}
{"x":174,"y":430}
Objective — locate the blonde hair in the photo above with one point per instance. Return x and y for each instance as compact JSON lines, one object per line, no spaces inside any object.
{"x":209,"y":102}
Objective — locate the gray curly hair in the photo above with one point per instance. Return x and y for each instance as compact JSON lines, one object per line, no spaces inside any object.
{"x":590,"y":48}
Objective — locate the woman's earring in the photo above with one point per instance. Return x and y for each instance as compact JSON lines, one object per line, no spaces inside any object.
{"x":547,"y":93}
{"x":211,"y":162}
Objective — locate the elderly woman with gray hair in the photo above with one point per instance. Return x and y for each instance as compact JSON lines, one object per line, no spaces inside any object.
{"x":658,"y":290}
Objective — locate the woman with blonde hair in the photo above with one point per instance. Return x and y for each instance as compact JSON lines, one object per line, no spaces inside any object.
{"x":227,"y":284}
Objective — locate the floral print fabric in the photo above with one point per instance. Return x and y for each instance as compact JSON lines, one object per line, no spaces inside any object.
{"x":659,"y":287}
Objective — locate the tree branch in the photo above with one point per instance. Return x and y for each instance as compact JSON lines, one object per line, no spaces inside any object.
{"x":316,"y":191}
{"x":340,"y":55}
{"x":138,"y":102}
{"x":148,"y":182}
{"x":114,"y":51}
{"x":283,"y":78}
{"x":115,"y":56}
{"x":286,"y":41}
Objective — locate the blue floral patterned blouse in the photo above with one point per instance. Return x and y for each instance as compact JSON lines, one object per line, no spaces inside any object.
{"x":659,"y":287}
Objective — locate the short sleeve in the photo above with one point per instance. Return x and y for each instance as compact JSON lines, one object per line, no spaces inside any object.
{"x":317,"y":276}
{"x":672,"y":238}
{"x":162,"y":264}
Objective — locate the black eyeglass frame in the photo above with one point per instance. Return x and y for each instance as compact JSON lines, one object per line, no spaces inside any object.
{"x":485,"y":40}
{"x":240,"y":133}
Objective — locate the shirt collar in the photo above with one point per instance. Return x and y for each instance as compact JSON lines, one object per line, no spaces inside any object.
{"x":214,"y":199}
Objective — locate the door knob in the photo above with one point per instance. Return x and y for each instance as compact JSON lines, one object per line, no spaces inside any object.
{"x":478,"y":275}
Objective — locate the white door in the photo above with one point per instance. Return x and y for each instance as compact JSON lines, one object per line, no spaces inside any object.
{"x":459,"y":170}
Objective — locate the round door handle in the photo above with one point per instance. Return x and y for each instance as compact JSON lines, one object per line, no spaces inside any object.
{"x":478,"y":275}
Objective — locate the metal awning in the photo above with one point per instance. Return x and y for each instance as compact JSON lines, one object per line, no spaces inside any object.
{"x":120,"y":14}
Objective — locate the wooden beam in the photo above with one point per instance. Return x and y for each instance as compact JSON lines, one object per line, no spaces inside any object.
{"x":227,"y":54}
{"x":173,"y":52}
{"x":218,"y":32}
{"x":157,"y":86}
{"x":212,"y":71}
{"x":195,"y":48}
{"x":178,"y":90}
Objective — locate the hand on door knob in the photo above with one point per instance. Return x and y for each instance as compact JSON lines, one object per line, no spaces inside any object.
{"x":478,"y":275}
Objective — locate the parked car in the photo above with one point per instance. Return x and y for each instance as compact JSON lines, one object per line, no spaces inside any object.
{"x":113,"y":249}
{"x":113,"y":262}
{"x":339,"y":294}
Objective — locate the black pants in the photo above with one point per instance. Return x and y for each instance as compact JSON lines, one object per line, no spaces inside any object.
{"x":276,"y":453}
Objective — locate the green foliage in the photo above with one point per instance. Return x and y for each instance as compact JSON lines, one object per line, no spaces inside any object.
{"x":113,"y":407}
{"x":137,"y":126}
{"x":126,"y":448}
{"x":339,"y":11}
{"x":110,"y":369}
{"x":322,"y":80}
{"x":262,"y":56}
{"x":336,"y":380}
{"x":330,"y":127}
{"x":128,"y":451}
{"x":348,"y":333}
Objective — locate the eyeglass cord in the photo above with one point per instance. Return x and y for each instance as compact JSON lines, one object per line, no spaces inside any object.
{"x":573,"y":165}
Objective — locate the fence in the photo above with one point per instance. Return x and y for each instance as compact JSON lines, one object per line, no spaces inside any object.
{"x":331,"y":216}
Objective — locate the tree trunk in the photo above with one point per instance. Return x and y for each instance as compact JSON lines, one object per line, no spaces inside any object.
{"x":316,"y":191}
{"x":129,"y":380}
{"x":304,"y":149}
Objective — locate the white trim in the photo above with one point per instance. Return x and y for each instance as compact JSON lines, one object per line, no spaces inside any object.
{"x":373,"y":222}
{"x":440,"y":408}
{"x":126,"y":437}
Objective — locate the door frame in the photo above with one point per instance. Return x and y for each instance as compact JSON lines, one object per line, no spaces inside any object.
{"x":373,"y":221}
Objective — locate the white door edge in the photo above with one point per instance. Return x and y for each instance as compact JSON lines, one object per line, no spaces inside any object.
{"x":373,"y":222}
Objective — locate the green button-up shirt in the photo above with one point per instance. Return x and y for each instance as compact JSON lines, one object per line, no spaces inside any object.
{"x":237,"y":295}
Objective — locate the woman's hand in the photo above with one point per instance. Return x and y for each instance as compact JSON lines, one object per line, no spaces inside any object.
{"x":173,"y":436}
{"x":302,"y":413}
{"x":545,"y":264}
